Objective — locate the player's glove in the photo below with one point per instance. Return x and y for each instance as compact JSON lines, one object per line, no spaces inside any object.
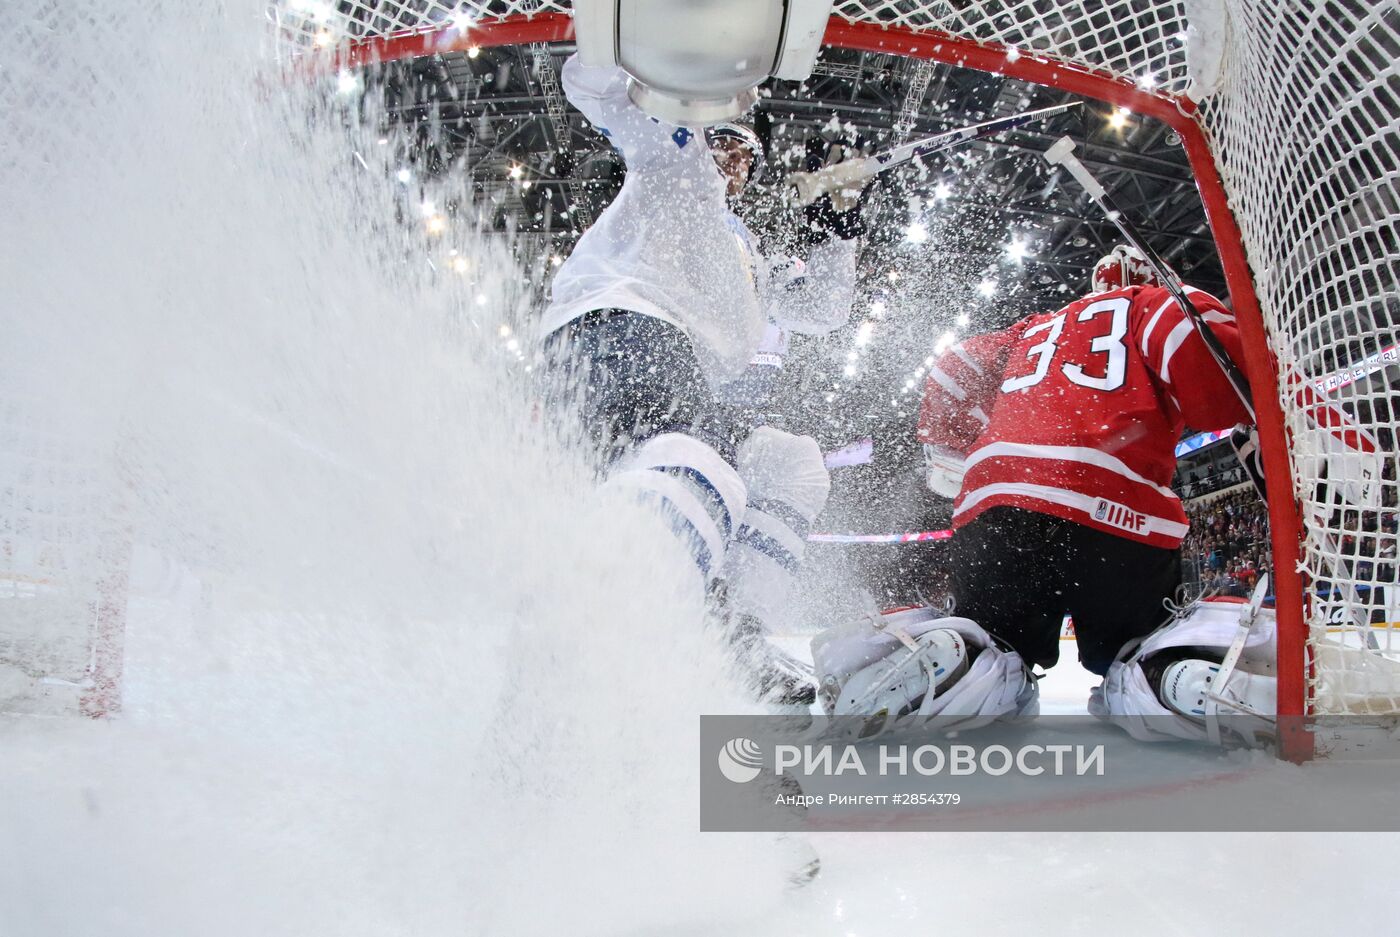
{"x":837,"y":214}
{"x":944,"y":469}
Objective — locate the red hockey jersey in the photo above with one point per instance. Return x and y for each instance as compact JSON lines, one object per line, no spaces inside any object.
{"x":1077,"y":413}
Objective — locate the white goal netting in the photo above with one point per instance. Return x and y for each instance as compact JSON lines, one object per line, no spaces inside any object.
{"x":1299,"y":103}
{"x":63,"y":560}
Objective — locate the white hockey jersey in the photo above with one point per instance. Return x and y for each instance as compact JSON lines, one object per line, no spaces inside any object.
{"x":668,"y":246}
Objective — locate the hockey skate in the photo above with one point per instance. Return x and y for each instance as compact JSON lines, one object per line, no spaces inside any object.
{"x":775,"y":676}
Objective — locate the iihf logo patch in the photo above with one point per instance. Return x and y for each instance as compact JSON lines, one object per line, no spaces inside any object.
{"x":1116,"y":515}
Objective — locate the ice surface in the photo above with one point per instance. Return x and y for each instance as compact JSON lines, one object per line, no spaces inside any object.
{"x":393,"y":666}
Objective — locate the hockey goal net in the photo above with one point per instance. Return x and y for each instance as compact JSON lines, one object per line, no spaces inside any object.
{"x":1290,"y":116}
{"x":63,"y":564}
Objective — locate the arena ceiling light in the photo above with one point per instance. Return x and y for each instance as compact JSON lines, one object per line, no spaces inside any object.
{"x":462,"y":21}
{"x":987,"y":288}
{"x":916,"y":233}
{"x":1017,"y":250}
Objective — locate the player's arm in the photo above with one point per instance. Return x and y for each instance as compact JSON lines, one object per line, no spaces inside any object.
{"x":600,"y":94}
{"x":1174,"y":351}
{"x":959,"y":394}
{"x":961,"y":389}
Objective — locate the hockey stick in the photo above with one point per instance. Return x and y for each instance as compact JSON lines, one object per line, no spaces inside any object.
{"x":1062,"y":154}
{"x":806,"y":187}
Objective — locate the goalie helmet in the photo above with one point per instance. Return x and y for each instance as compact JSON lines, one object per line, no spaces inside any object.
{"x":1123,"y":266}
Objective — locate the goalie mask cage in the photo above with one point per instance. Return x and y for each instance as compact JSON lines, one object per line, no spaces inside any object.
{"x":1288,"y":111}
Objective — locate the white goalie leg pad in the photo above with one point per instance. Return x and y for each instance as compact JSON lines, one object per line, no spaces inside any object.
{"x":700,"y":492}
{"x":1192,"y":686}
{"x":787,"y":484}
{"x":886,"y":667}
{"x":1188,"y":685}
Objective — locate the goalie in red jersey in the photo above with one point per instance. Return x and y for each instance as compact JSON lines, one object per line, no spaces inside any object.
{"x":1057,"y":439}
{"x":1057,"y":436}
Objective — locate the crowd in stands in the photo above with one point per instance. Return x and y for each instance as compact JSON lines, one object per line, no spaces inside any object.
{"x":1227,"y":549}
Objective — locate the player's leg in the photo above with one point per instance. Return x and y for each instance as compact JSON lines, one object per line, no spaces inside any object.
{"x":1005,"y":578}
{"x":787,"y":484}
{"x":632,"y":383}
{"x":1208,"y":674}
{"x":1116,"y":590}
{"x":913,"y":665}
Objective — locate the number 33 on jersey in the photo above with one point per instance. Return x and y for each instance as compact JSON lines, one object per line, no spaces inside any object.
{"x":1077,"y":413}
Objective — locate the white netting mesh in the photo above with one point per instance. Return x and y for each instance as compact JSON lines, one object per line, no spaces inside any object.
{"x":61,"y":562}
{"x":1144,"y":41}
{"x":321,"y":23}
{"x":1305,"y":133}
